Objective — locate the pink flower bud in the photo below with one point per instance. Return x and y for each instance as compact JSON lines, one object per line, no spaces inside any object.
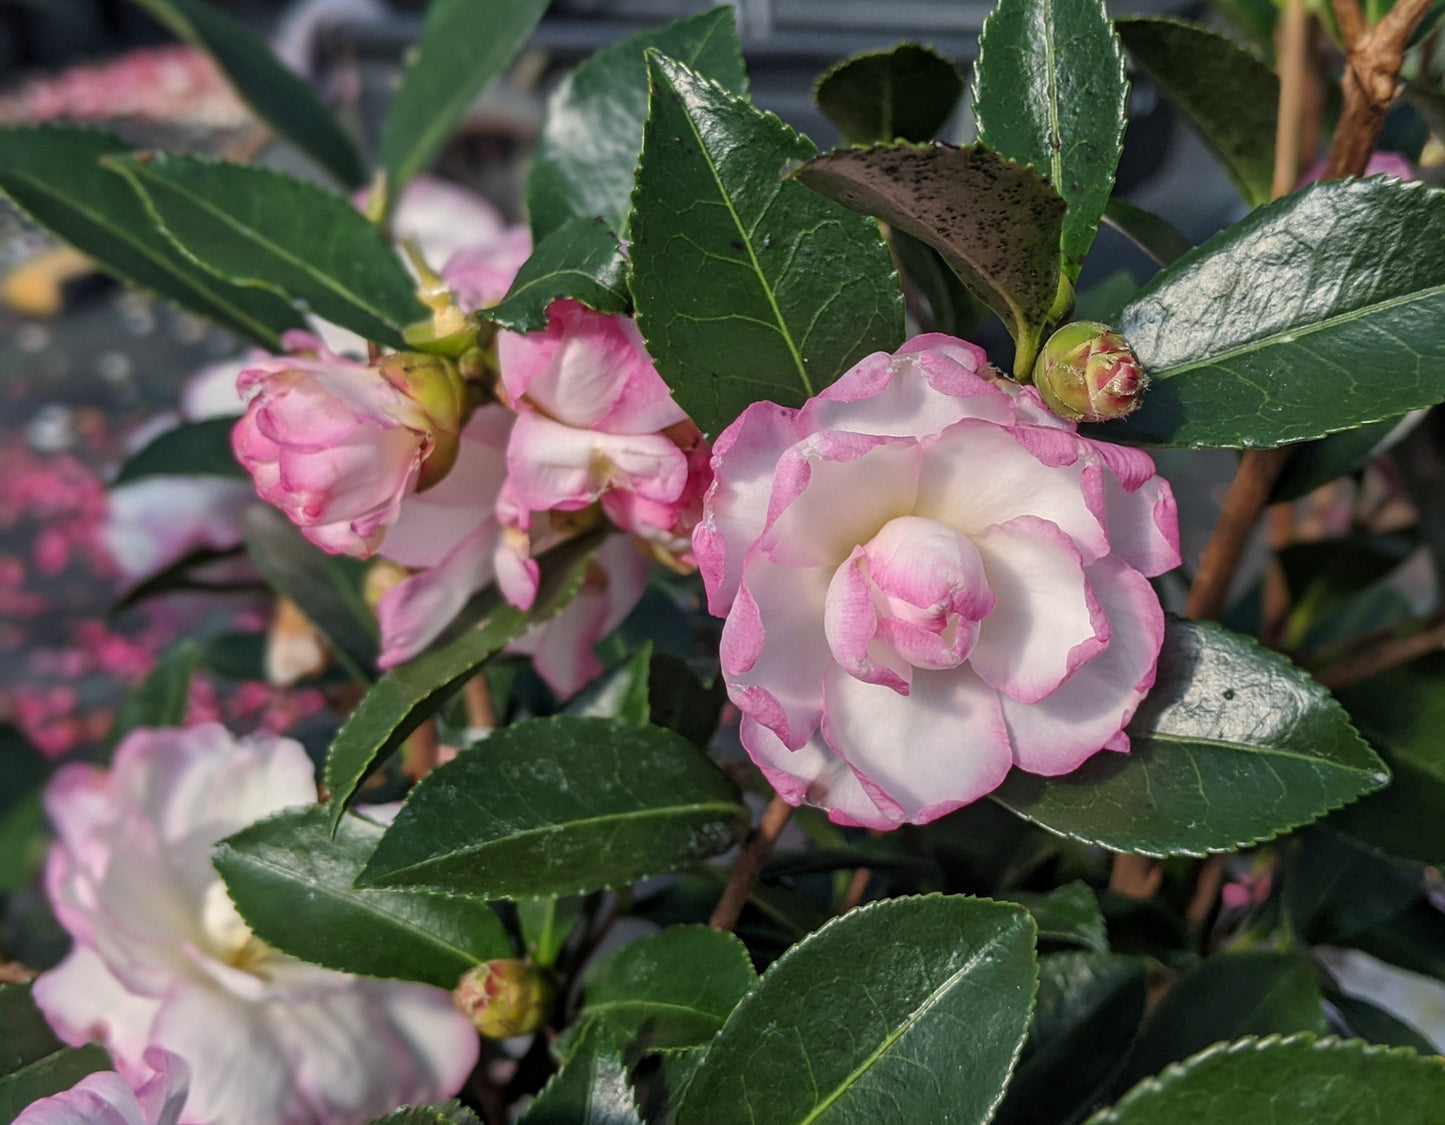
{"x":1088,"y":373}
{"x":504,"y":998}
{"x":337,"y":445}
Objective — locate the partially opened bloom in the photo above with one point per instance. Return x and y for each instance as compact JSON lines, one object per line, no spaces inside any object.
{"x":105,"y":1098}
{"x":163,"y":959}
{"x":928,"y":579}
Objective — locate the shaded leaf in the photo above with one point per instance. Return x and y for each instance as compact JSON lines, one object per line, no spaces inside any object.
{"x":1056,"y":99}
{"x":33,"y":1062}
{"x":443,"y":1113}
{"x":908,"y":94}
{"x":1364,"y":1020}
{"x":1103,"y":301}
{"x":278,"y":96}
{"x":256,"y":227}
{"x":1234,"y":745}
{"x":952,"y":307}
{"x":586,"y":158}
{"x":162,"y":698}
{"x":747,"y":286}
{"x":1315,"y":463}
{"x":591,"y":1089}
{"x":1069,"y":913}
{"x":327,"y":588}
{"x":885,"y":1014}
{"x":291,"y":880}
{"x":192,"y":448}
{"x":1315,"y":313}
{"x":1294,"y":1081}
{"x":23,"y":836}
{"x":55,"y":176}
{"x":581,"y":260}
{"x":560,"y":806}
{"x":1324,"y":575}
{"x":1236,"y":115}
{"x":997,"y":224}
{"x":620,"y":693}
{"x":1160,"y":239}
{"x":464,"y":44}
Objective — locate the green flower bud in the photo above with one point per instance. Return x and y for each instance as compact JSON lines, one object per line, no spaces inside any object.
{"x":433,"y":384}
{"x":1088,"y":373}
{"x":504,"y":998}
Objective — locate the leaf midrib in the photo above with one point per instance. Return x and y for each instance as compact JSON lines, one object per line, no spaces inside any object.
{"x":1245,"y":748}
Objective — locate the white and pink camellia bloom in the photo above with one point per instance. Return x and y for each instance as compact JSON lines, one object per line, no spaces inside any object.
{"x":163,"y":960}
{"x":337,"y":445}
{"x":929,"y":579}
{"x":107,"y":1099}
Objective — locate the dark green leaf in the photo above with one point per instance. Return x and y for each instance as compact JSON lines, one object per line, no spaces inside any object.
{"x":996,"y":223}
{"x":545,"y":924}
{"x":1230,"y":995}
{"x":407,"y":696}
{"x":1069,"y":914}
{"x":1294,"y":1081}
{"x":33,"y":1062}
{"x":1255,"y":19}
{"x":54,"y":175}
{"x":326,"y":587}
{"x":581,"y":259}
{"x":747,"y":286}
{"x":591,"y":1089}
{"x":1364,"y":1020}
{"x":161,"y":699}
{"x":618,"y":694}
{"x":464,"y":44}
{"x":888,"y":1013}
{"x":444,"y":1113}
{"x":679,"y":700}
{"x":1401,"y":714}
{"x":192,"y":448}
{"x":23,"y":838}
{"x":560,"y":806}
{"x":256,"y":227}
{"x":1229,"y":95}
{"x":952,"y":308}
{"x":587,"y":155}
{"x":1050,"y":90}
{"x":1324,"y":575}
{"x":671,"y":989}
{"x":1088,"y":1010}
{"x":1313,"y":314}
{"x":1336,"y":891}
{"x":905,"y":94}
{"x":277,"y":95}
{"x":291,"y":881}
{"x":1233,"y":746}
{"x":186,"y":573}
{"x":1103,"y":301}
{"x":1159,"y":239}
{"x":1315,"y":463}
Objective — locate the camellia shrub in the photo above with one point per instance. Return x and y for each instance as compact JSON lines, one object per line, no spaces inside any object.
{"x":761,"y":702}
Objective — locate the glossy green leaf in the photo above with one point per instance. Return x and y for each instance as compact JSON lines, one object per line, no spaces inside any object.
{"x":996,"y":223}
{"x":747,"y":286}
{"x":885,"y":1014}
{"x":1316,"y":313}
{"x":1088,"y":1010}
{"x":1069,"y":914}
{"x":1228,"y":94}
{"x":1234,"y":745}
{"x":291,"y":880}
{"x":559,"y":806}
{"x":162,"y":698}
{"x":256,"y":227}
{"x":33,"y":1062}
{"x":1315,"y":463}
{"x":407,"y":696}
{"x":1050,"y":90}
{"x":55,"y":176}
{"x":464,"y":44}
{"x":1161,"y":240}
{"x":586,"y":158}
{"x":906,"y":94}
{"x":279,"y":97}
{"x":1293,"y":1081}
{"x":192,"y":448}
{"x":1229,"y":996}
{"x":671,"y":989}
{"x":444,"y":1113}
{"x":1401,"y":714}
{"x":581,"y":260}
{"x":327,"y":588}
{"x":592,"y":1088}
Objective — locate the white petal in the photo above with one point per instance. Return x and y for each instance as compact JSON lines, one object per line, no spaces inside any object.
{"x":814,"y":775}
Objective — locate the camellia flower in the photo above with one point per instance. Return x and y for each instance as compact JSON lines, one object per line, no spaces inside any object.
{"x":928,"y":578}
{"x":337,"y":445}
{"x":106,"y":1099}
{"x":163,"y":960}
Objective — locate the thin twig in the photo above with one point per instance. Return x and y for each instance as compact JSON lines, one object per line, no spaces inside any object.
{"x":421,"y":751}
{"x":1294,"y":85}
{"x":1136,"y":876}
{"x":1383,"y":655}
{"x":1206,"y":890}
{"x":751,"y":857}
{"x":1248,"y":492}
{"x":477,"y":698}
{"x":857,"y":888}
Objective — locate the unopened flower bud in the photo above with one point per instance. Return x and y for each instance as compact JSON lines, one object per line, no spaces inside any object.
{"x":504,"y":998}
{"x":1088,"y":373}
{"x":432,"y":383}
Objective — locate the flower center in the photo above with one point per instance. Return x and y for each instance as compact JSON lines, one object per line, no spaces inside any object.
{"x":911,"y":597}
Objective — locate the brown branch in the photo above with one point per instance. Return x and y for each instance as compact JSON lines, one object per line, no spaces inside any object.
{"x":1294,"y":91}
{"x":421,"y":751}
{"x":1248,"y":492}
{"x":751,"y":857}
{"x":477,"y":698}
{"x":857,"y":888}
{"x":1389,"y":652}
{"x":1136,"y":876}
